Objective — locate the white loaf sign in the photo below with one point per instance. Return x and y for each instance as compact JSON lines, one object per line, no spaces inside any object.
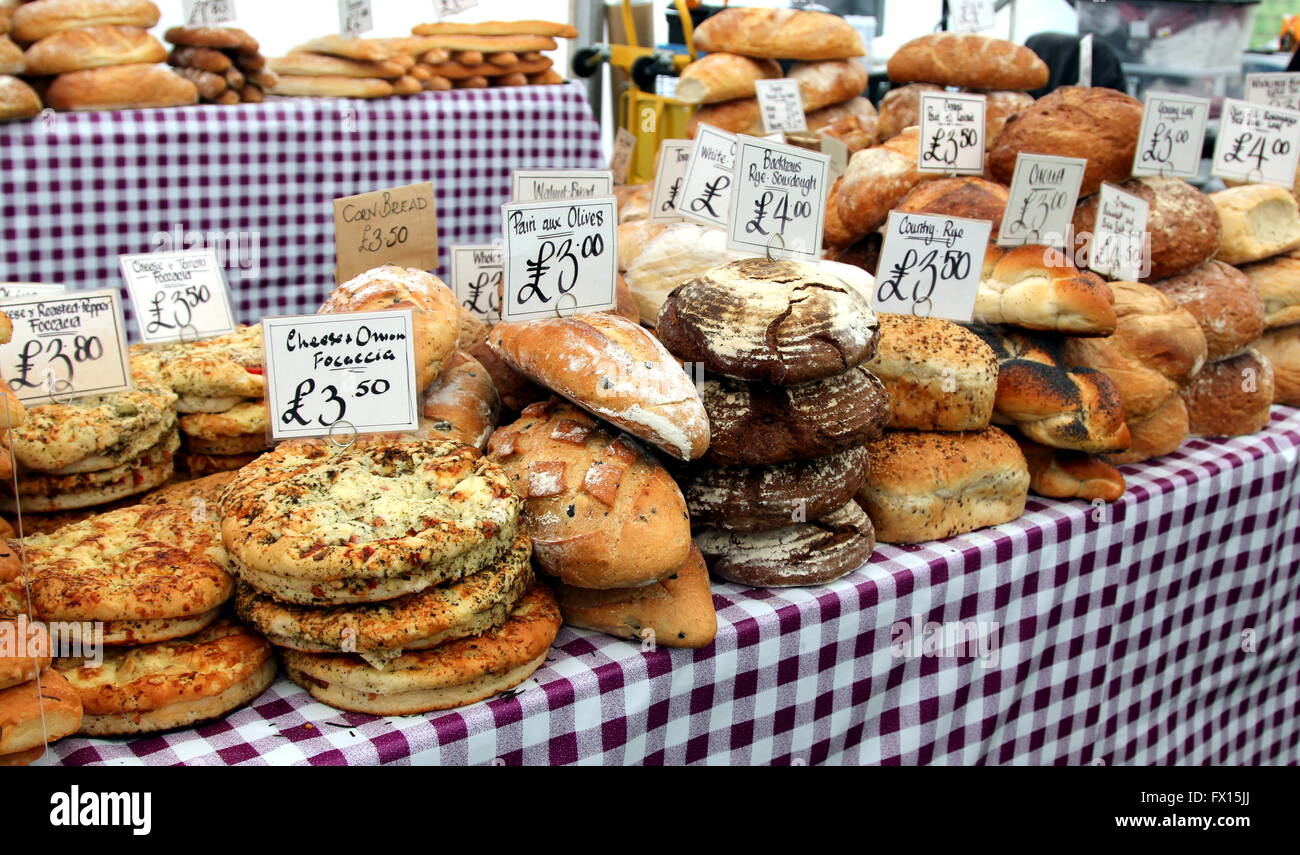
{"x":706,"y":191}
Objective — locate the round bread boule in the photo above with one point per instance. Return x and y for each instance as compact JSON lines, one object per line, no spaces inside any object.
{"x":1231,"y":397}
{"x":780,"y":322}
{"x":1224,"y":302}
{"x":806,"y":553}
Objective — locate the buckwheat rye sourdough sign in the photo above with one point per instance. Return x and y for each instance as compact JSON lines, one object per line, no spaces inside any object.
{"x":65,"y":347}
{"x":561,"y":258}
{"x":393,"y":226}
{"x":930,"y":266}
{"x":178,"y":296}
{"x":332,"y":375}
{"x":778,"y":203}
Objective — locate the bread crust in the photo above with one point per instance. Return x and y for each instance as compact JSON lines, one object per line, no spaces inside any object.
{"x":669,"y":257}
{"x":828,"y":81}
{"x":463,"y":403}
{"x":1182,"y":222}
{"x":1060,"y":474}
{"x":34,"y":21}
{"x":723,"y":77}
{"x":937,"y":375}
{"x":963,"y":196}
{"x":244,"y":419}
{"x":208,"y":489}
{"x":737,"y":116}
{"x":227,"y":366}
{"x":1224,"y":302}
{"x":32,"y":714}
{"x":71,"y":50}
{"x":1259,"y":221}
{"x":32,"y":638}
{"x":226,"y":38}
{"x":1231,"y":397}
{"x":900,"y":108}
{"x":331,"y":86}
{"x":967,"y":59}
{"x":1037,"y":288}
{"x":17,"y":99}
{"x":805,"y":553}
{"x":497,"y":28}
{"x":1278,"y":283}
{"x":779,"y":34}
{"x":317,"y":64}
{"x":1281,"y":347}
{"x":120,"y":87}
{"x":876,"y":180}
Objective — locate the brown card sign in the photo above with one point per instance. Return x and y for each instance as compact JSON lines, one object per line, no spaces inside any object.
{"x":393,"y":226}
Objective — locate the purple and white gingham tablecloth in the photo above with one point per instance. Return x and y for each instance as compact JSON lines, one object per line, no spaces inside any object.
{"x":257,"y":182}
{"x":1162,"y":629}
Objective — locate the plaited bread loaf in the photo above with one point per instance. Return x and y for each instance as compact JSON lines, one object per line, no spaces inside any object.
{"x":70,"y":50}
{"x":1182,"y":222}
{"x":1224,"y":302}
{"x":1278,"y":283}
{"x":1231,"y":397}
{"x":1052,"y":401}
{"x":34,"y":21}
{"x":1061,"y":474}
{"x":758,"y":423}
{"x":876,"y":180}
{"x":1259,"y":220}
{"x":120,"y":87}
{"x":1157,"y":347}
{"x":723,"y":77}
{"x":964,"y":196}
{"x":1098,"y":124}
{"x":1281,"y":347}
{"x":1001,"y":105}
{"x":601,"y":512}
{"x":967,"y":59}
{"x":738,"y":116}
{"x":779,"y":34}
{"x":938,"y":375}
{"x":775,"y":321}
{"x":1035,"y":288}
{"x":831,"y":81}
{"x":925,"y":486}
{"x":901,"y":109}
{"x":805,"y":553}
{"x":762,"y":498}
{"x":677,"y":254}
{"x":616,"y":370}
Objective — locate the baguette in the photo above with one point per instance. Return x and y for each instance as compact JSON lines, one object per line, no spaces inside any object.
{"x":363,"y":50}
{"x":34,"y":21}
{"x":600,"y":511}
{"x":120,"y":87}
{"x":12,"y":60}
{"x":317,"y":65}
{"x":332,"y":86}
{"x":779,"y":34}
{"x":967,"y":59}
{"x":1232,"y":397}
{"x":497,"y":28}
{"x":723,"y":77}
{"x":492,"y":44}
{"x":616,"y":370}
{"x":93,"y":47}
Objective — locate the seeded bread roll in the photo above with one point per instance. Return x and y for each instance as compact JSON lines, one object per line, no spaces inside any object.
{"x":925,"y":486}
{"x":779,"y":34}
{"x":1224,"y":302}
{"x":1037,"y":288}
{"x":723,"y":77}
{"x":1259,"y":220}
{"x":967,"y":59}
{"x":1232,"y":397}
{"x":938,"y":375}
{"x":1281,"y":347}
{"x":1278,"y":283}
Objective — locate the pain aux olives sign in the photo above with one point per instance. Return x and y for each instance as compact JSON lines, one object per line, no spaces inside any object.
{"x":340,"y":375}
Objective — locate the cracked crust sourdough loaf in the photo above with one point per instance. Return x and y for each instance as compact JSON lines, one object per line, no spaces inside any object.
{"x":779,"y":34}
{"x":312,"y":524}
{"x":779,"y":322}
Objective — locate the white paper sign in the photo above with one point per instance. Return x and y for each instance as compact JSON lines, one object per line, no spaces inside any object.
{"x":778,"y":204}
{"x":10,"y":290}
{"x":1120,"y":245}
{"x":447,"y":8}
{"x":1173,"y":131}
{"x":178,"y":296}
{"x":64,"y":347}
{"x":355,"y":17}
{"x":838,"y":151}
{"x":208,"y":13}
{"x":1085,"y":60}
{"x":477,"y":273}
{"x":666,"y":85}
{"x":781,"y":104}
{"x":1040,"y":208}
{"x":352,"y":372}
{"x":952,"y":133}
{"x":1257,"y":143}
{"x":930,"y":266}
{"x":971,"y":16}
{"x":1281,"y":89}
{"x":674,"y":157}
{"x":706,"y":191}
{"x":621,"y":160}
{"x":561,"y":257}
{"x":554,"y":185}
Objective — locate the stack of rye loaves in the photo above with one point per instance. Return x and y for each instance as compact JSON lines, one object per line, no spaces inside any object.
{"x":743,"y":46}
{"x":97,"y":55}
{"x":780,"y":347}
{"x":220,"y":395}
{"x":492,"y":53}
{"x":225,"y":63}
{"x":607,"y":520}
{"x":17,"y":99}
{"x":37,"y":705}
{"x":340,"y":67}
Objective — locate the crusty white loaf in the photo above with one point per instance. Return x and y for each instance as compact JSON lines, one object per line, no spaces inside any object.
{"x":1035,"y":288}
{"x":900,"y":109}
{"x":830,"y":81}
{"x":925,"y":486}
{"x":1281,"y":347}
{"x":673,"y":256}
{"x":967,"y":59}
{"x":779,"y":34}
{"x":92,"y":47}
{"x":1278,"y":283}
{"x":613,"y":368}
{"x":1224,"y":302}
{"x":1259,"y":220}
{"x":723,"y":77}
{"x":737,"y":116}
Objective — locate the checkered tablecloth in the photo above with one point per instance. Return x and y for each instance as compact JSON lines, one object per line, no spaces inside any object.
{"x":1162,"y":629}
{"x":79,"y":189}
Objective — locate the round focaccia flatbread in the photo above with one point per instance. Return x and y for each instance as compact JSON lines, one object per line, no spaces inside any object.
{"x":247,"y":418}
{"x":44,"y":493}
{"x":95,"y":433}
{"x":251,"y":444}
{"x":174,"y":683}
{"x":201,"y":465}
{"x":187,"y":494}
{"x":228,"y":366}
{"x":24,"y":651}
{"x":312,"y":523}
{"x":451,"y":675}
{"x":478,"y":603}
{"x":36,"y":712}
{"x":145,"y":562}
{"x":200,"y":404}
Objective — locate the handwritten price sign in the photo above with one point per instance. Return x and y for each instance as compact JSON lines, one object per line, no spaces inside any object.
{"x":477,"y":274}
{"x":355,"y":368}
{"x":706,"y":191}
{"x":971,"y":16}
{"x":64,"y":347}
{"x":952,"y":133}
{"x":553,"y":185}
{"x":670,"y":174}
{"x":781,"y":104}
{"x":561,"y":257}
{"x":1257,"y":143}
{"x":779,"y":202}
{"x":930,"y":266}
{"x":447,"y":8}
{"x":10,"y":290}
{"x":1281,"y":89}
{"x":178,"y":295}
{"x":393,"y":226}
{"x":1120,"y":242}
{"x":1040,"y":207}
{"x":355,"y":17}
{"x":208,"y":13}
{"x":1173,"y":130}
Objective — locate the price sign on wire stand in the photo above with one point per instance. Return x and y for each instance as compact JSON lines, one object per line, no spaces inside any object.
{"x":952,"y":133}
{"x":477,"y":276}
{"x":10,"y":290}
{"x":778,"y":205}
{"x":178,"y":295}
{"x":394,"y":226}
{"x":706,"y":190}
{"x":621,"y":159}
{"x":1173,"y":131}
{"x":930,"y":266}
{"x":208,"y":13}
{"x":1257,"y":143}
{"x":781,"y":104}
{"x":1040,"y":207}
{"x":551,"y":185}
{"x":561,"y":257}
{"x":674,"y":157}
{"x":67,"y":346}
{"x":1280,"y":89}
{"x":1120,"y":242}
{"x":354,"y":370}
{"x":971,"y":16}
{"x":355,"y":17}
{"x":447,"y":8}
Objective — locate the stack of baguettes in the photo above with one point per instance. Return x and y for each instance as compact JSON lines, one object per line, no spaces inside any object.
{"x":493,"y":53}
{"x":743,"y":47}
{"x":96,"y":55}
{"x":340,"y":67}
{"x":779,"y":348}
{"x":17,"y":99}
{"x":225,"y":63}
